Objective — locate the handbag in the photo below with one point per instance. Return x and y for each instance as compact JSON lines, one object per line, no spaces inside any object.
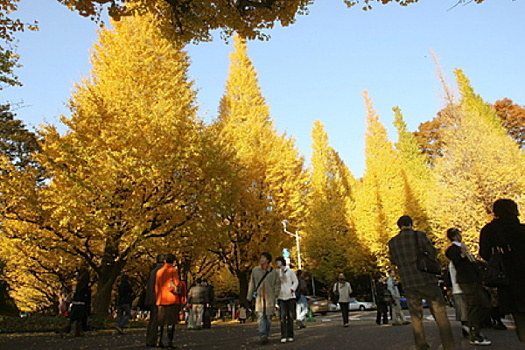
{"x":425,"y":263}
{"x":494,"y":273}
{"x":176,"y":288}
{"x":336,"y":293}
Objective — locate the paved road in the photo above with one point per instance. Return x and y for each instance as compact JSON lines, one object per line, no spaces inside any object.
{"x":325,"y":333}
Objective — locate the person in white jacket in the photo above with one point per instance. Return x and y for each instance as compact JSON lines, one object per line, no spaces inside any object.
{"x":286,"y":299}
{"x":342,"y":291}
{"x":398,"y":318}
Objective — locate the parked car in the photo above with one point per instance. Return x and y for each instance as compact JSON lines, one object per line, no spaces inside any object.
{"x":354,"y":305}
{"x":318,"y":304}
{"x":404,"y":305}
{"x":334,"y":307}
{"x":361,"y":305}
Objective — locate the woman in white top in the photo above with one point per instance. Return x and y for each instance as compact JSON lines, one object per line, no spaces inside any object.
{"x":342,"y":290}
{"x":286,"y":299}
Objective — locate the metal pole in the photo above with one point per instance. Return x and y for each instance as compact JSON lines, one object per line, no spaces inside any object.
{"x":298,"y":250}
{"x":298,"y":245}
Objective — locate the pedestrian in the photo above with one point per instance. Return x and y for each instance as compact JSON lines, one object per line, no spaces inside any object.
{"x":302,"y":304}
{"x":210,"y":298}
{"x":242,"y":314}
{"x":506,"y":234}
{"x":264,"y":287}
{"x":150,"y":302}
{"x":495,"y":312}
{"x":468,"y":278}
{"x":197,"y":299}
{"x":418,"y":284}
{"x":342,"y":291}
{"x":382,"y":300}
{"x":286,"y":299}
{"x":460,"y":304}
{"x":398,"y":318}
{"x":79,"y":303}
{"x":125,"y":299}
{"x":170,"y":292}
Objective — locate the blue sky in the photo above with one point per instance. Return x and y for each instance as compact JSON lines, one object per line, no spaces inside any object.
{"x":314,"y":69}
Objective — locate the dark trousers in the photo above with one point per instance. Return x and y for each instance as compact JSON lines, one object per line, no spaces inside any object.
{"x":206,"y":317}
{"x":382,"y":312}
{"x":151,"y":333}
{"x":344,"y":312}
{"x":287,"y":313}
{"x":478,"y":306}
{"x":519,"y":320}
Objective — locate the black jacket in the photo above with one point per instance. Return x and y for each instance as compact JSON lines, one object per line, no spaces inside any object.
{"x":466,"y":272}
{"x":125,"y":293}
{"x":505,"y":233}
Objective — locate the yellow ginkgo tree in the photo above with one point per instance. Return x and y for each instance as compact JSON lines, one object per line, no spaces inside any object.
{"x":134,"y":164}
{"x":270,"y":177}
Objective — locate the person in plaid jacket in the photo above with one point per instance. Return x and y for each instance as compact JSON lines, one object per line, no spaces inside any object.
{"x":419,"y":285}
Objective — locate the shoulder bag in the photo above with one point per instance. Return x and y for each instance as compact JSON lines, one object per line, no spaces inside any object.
{"x":425,"y":263}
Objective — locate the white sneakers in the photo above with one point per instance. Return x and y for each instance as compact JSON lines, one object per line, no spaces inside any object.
{"x":480,"y":341}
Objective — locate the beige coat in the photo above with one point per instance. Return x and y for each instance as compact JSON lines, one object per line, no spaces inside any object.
{"x":267,"y":292}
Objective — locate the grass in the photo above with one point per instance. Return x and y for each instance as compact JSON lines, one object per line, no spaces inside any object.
{"x":48,"y":323}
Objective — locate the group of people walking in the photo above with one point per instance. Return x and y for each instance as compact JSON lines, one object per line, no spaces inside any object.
{"x":281,"y":286}
{"x":502,"y":240}
{"x":501,"y":244}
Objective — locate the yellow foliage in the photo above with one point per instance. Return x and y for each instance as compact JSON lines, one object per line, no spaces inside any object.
{"x":480,"y":164}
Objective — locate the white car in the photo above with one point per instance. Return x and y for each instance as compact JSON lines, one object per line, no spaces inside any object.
{"x":361,"y":305}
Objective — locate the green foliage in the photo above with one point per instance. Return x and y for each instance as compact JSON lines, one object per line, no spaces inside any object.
{"x":16,"y":142}
{"x":8,"y":57}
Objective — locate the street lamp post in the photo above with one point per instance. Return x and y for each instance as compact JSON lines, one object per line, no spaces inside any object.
{"x":297,"y":238}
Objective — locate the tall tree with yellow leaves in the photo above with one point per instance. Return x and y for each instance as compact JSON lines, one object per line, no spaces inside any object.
{"x":480,"y":164}
{"x":417,"y":175}
{"x":330,"y":241}
{"x":268,"y":167}
{"x":134,"y":165}
{"x":382,"y":197}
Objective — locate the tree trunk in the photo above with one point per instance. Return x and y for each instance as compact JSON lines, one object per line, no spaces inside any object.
{"x":243,"y":277}
{"x":109,"y":271}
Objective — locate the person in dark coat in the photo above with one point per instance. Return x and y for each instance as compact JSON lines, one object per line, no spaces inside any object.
{"x":125,"y":299}
{"x":506,"y":233}
{"x":150,"y":299}
{"x":382,"y":300}
{"x":210,"y":294}
{"x":81,"y":299}
{"x":468,"y":278}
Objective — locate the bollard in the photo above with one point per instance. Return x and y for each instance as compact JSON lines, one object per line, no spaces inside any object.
{"x":310,"y":315}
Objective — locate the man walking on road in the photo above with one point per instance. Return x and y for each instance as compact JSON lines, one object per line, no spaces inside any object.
{"x":417,"y":284}
{"x":197,"y":298}
{"x":264,"y":287}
